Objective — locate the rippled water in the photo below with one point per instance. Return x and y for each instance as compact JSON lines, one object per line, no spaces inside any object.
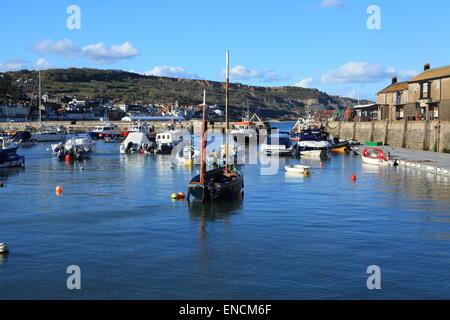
{"x":291,"y":238}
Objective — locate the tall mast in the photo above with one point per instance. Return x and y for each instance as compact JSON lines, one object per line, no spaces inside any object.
{"x":203,"y":160}
{"x":227,"y":100}
{"x":40,"y":97}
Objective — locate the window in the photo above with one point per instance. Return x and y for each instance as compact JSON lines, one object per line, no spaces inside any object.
{"x":399,"y":98}
{"x":425,"y":90}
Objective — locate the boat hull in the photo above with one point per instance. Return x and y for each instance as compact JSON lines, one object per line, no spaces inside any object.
{"x":43,"y":137}
{"x":16,"y":162}
{"x":297,"y":169}
{"x":229,"y":191}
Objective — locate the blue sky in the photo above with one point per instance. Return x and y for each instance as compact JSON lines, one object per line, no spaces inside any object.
{"x":322,"y":44}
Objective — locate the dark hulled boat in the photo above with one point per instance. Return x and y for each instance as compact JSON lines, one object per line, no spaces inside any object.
{"x":219,"y":184}
{"x":225,"y":183}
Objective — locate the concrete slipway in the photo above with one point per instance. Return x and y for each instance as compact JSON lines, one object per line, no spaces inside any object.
{"x":433,"y":162}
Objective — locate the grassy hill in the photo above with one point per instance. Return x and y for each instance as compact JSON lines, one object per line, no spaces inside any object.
{"x":270,"y":102}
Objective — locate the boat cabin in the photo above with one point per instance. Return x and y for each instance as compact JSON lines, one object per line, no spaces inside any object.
{"x":169,"y":137}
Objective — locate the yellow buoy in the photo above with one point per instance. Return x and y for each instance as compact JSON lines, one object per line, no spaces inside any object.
{"x":174,"y":196}
{"x":189,"y":163}
{"x":306,"y":173}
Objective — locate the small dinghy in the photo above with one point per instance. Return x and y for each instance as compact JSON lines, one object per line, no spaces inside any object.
{"x":3,"y":248}
{"x":378,"y":157}
{"x":297,"y":169}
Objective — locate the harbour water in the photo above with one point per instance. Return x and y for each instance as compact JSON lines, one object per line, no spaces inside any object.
{"x":292,"y":237}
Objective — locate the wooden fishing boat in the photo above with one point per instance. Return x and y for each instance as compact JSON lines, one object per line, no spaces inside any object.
{"x":225,"y":183}
{"x":218,"y":184}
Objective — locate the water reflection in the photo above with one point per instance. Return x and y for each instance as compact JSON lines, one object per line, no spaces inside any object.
{"x":3,"y":259}
{"x":10,"y":172}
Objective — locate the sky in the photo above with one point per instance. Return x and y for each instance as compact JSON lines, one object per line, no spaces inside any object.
{"x":343,"y":47}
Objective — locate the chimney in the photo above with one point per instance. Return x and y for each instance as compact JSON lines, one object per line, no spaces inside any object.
{"x":426,"y":67}
{"x":394,"y":80}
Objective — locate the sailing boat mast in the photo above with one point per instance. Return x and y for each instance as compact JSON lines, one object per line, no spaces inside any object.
{"x":40,"y":98}
{"x":203,"y":159}
{"x":227,"y":100}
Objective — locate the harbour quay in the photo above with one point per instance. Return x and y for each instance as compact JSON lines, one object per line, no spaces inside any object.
{"x":415,"y":135}
{"x":74,"y":127}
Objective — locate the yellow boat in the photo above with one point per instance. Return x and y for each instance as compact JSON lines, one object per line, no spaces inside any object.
{"x":344,"y":149}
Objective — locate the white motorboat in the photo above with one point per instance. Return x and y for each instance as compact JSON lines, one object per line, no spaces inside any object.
{"x":297,"y":169}
{"x":278,"y":144}
{"x":189,"y":156}
{"x":77,"y":147}
{"x":3,"y":248}
{"x":166,"y":141}
{"x":49,"y":134}
{"x":136,"y":142}
{"x":107,"y":130}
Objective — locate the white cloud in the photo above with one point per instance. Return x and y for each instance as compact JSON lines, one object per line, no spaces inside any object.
{"x":267,"y":75}
{"x":304,"y":83}
{"x":407,"y":74}
{"x":363,"y":72}
{"x":330,"y":4}
{"x":42,"y":64}
{"x":13,"y":65}
{"x":171,"y":72}
{"x":65,"y":48}
{"x":99,"y":53}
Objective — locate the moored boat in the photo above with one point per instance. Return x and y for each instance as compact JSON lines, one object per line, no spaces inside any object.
{"x":4,"y":248}
{"x":78,"y":147}
{"x":224,"y":183}
{"x":166,"y":141}
{"x":278,"y":144}
{"x":8,"y":156}
{"x":378,"y":157}
{"x":136,"y":142}
{"x":49,"y":134}
{"x":297,"y":169}
{"x":107,"y":130}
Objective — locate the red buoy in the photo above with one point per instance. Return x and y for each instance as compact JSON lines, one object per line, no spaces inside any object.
{"x":68,"y":158}
{"x":354,"y":178}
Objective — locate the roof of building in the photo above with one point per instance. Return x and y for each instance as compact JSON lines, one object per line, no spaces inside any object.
{"x":399,"y":86}
{"x":441,"y":72}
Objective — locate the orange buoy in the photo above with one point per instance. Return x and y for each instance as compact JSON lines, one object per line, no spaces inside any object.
{"x":181,"y":196}
{"x":68,"y":158}
{"x":354,"y":178}
{"x":59,"y":190}
{"x":321,"y":164}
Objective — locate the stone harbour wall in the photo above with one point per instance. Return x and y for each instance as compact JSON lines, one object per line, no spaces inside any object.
{"x":415,"y":135}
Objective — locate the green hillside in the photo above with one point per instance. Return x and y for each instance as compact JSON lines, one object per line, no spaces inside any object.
{"x":270,"y":102}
